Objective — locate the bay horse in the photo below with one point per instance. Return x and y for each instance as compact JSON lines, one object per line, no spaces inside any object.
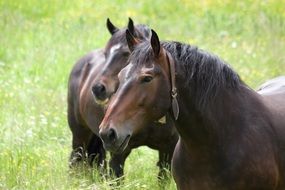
{"x":230,"y":136}
{"x":92,"y":82}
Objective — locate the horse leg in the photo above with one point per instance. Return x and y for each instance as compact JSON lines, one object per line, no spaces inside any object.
{"x":96,"y":152}
{"x":117,"y":163}
{"x":80,"y":140}
{"x":81,"y":137}
{"x":164,"y":165}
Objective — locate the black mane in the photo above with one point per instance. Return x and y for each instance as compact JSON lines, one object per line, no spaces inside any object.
{"x":203,"y":72}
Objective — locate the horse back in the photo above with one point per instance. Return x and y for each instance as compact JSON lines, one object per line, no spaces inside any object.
{"x":273,"y":93}
{"x":273,"y":87}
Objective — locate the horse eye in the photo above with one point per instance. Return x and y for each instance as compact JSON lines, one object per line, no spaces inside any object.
{"x":146,"y":79}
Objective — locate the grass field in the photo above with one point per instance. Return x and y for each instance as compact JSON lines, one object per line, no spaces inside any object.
{"x":41,"y":40}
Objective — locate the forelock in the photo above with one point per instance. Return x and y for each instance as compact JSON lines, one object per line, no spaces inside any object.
{"x":142,"y":54}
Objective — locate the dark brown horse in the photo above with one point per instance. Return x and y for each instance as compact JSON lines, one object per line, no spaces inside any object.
{"x":231,"y":137}
{"x":92,"y":81}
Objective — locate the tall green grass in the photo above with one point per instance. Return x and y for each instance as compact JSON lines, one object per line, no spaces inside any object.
{"x":41,"y":40}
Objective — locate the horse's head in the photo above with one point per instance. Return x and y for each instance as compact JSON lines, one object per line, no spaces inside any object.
{"x":144,"y":94}
{"x":117,"y":53}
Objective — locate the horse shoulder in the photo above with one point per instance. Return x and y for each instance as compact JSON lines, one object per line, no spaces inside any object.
{"x":250,"y":165}
{"x":180,"y":167}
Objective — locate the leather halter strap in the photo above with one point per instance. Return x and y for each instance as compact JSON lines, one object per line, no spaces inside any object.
{"x":174,"y":103}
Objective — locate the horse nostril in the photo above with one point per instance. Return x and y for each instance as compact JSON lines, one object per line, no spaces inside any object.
{"x":101,"y":88}
{"x":108,"y":136}
{"x":112,"y":135}
{"x":99,"y":91}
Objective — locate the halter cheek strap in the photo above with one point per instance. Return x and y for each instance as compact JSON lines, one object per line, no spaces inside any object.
{"x":174,"y":103}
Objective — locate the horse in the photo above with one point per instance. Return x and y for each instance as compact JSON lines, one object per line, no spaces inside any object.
{"x":272,"y":86}
{"x":230,"y":136}
{"x":92,"y":82}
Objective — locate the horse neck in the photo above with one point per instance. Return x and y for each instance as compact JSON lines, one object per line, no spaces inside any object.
{"x":89,"y":73}
{"x":222,"y":117}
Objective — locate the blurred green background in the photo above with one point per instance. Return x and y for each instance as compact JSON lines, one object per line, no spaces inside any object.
{"x":40,"y":40}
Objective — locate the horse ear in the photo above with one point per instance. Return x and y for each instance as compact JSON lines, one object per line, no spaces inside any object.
{"x":131,"y":27}
{"x":112,"y":29}
{"x":132,"y":41}
{"x":155,"y":44}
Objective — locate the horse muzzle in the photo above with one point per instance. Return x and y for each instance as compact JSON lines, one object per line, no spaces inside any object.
{"x":114,"y":141}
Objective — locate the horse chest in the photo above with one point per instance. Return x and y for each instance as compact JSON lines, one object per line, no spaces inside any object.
{"x":191,"y":172}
